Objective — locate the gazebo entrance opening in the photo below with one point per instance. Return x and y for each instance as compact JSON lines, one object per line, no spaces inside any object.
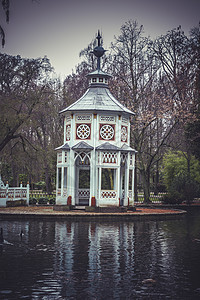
{"x":82,"y":187}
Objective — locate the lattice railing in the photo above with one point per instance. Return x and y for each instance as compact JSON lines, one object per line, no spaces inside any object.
{"x":83,"y":193}
{"x":109,"y":157}
{"x":14,"y":193}
{"x":109,"y":194}
{"x":3,"y":193}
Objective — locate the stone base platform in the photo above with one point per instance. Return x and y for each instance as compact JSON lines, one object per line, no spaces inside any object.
{"x":106,"y":209}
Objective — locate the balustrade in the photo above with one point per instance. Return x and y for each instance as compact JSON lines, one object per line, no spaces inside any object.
{"x":14,"y":194}
{"x":109,"y":194}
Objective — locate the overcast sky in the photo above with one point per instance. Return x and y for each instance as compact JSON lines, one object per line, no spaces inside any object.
{"x":59,"y":29}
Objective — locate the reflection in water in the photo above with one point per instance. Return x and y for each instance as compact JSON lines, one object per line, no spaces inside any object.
{"x":100,"y":260}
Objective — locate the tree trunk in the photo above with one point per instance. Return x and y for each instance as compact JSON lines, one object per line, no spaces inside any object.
{"x":48,"y":182}
{"x":135,"y":185}
{"x":47,"y":176}
{"x":156,"y":179}
{"x":146,"y":186}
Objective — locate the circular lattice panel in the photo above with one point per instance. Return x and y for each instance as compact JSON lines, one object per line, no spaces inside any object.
{"x":83,"y":131}
{"x":107,"y":132}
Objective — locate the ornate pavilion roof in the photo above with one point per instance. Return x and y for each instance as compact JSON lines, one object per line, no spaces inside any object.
{"x":98,"y":97}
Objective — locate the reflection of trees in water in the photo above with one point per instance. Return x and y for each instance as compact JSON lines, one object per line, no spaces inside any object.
{"x":150,"y":255}
{"x":108,"y":259}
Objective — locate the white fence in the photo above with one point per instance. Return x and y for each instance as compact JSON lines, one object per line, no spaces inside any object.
{"x":12,"y":194}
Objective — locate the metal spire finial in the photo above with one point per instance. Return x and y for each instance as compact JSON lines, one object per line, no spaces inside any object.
{"x":98,"y":38}
{"x":98,"y":51}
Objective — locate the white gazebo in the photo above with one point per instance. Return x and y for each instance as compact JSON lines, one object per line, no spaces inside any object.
{"x":95,"y":164}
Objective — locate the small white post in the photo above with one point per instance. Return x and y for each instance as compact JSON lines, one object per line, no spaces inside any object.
{"x":27,"y":191}
{"x":7,"y":191}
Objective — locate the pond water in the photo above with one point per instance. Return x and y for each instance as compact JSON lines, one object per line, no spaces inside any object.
{"x":101,"y":260}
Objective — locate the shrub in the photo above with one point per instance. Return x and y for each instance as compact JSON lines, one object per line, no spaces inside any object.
{"x":172,"y":198}
{"x":42,"y":201}
{"x":181,"y":174}
{"x":182,"y":189}
{"x":32,"y":201}
{"x":175,"y":164}
{"x":52,"y":201}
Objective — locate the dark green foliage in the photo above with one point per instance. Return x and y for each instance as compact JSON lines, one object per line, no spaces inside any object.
{"x":6,"y":172}
{"x":107,"y":179}
{"x":40,"y":185}
{"x":182,"y":189}
{"x":173,"y":198}
{"x":180,"y":170}
{"x":42,"y":201}
{"x":23,"y":178}
{"x":192,"y":134}
{"x":32,"y":201}
{"x":181,"y":176}
{"x":187,"y":188}
{"x":84,"y":179}
{"x":159,"y":188}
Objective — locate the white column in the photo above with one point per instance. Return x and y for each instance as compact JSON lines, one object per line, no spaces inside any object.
{"x":7,"y":186}
{"x":93,"y":163}
{"x":126,"y":180}
{"x":99,"y":197}
{"x":121,"y":181}
{"x":97,"y":185}
{"x":56,"y":179}
{"x":76,"y":182}
{"x":92,"y":176}
{"x":27,"y":191}
{"x":133,"y":177}
{"x":62,"y":181}
{"x":118,"y":187}
{"x":132,"y":190}
{"x":71,"y":176}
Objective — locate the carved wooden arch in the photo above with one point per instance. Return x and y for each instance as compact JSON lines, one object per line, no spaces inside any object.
{"x":82,"y":156}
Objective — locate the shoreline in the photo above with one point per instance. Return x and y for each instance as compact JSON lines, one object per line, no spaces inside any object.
{"x":47,"y":213}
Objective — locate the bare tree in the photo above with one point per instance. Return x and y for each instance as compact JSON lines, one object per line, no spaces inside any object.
{"x":151,"y":78}
{"x":22,"y":84}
